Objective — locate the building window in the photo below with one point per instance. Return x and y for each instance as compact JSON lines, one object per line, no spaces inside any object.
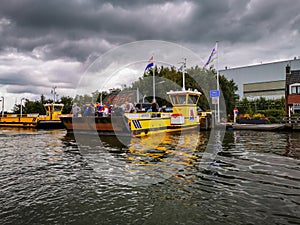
{"x":296,"y":108}
{"x":295,"y":89}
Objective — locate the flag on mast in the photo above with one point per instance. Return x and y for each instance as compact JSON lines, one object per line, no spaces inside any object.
{"x":213,"y":56}
{"x":150,"y":63}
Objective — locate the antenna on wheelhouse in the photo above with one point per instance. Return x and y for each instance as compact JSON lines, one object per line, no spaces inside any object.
{"x":183,"y":68}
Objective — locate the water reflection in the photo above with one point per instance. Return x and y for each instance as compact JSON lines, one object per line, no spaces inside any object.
{"x":17,"y":131}
{"x":293,"y":145}
{"x":243,"y":178}
{"x":144,"y":161}
{"x":280,"y":143}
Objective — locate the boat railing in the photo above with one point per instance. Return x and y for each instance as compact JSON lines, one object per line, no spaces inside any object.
{"x":148,"y":115}
{"x":20,"y":116}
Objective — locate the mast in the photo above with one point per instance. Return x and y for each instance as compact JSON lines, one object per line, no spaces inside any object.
{"x":183,"y":68}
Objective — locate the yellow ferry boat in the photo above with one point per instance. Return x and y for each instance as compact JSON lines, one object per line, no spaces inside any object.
{"x":183,"y":117}
{"x":34,"y":120}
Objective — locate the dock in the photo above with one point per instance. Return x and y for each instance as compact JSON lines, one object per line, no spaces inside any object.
{"x":288,"y":124}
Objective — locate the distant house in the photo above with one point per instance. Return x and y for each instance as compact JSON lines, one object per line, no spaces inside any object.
{"x":292,"y":91}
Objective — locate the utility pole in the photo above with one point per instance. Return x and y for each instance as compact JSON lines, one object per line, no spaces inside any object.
{"x":21,"y":107}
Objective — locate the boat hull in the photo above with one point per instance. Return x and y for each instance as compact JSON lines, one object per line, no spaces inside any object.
{"x":14,"y":121}
{"x":122,"y":126}
{"x":50,"y":124}
{"x":30,"y":122}
{"x":100,"y":125}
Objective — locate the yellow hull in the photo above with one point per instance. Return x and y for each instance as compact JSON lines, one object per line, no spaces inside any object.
{"x":15,"y":121}
{"x":181,"y":129}
{"x":29,"y":121}
{"x":131,"y":124}
{"x":143,"y":124}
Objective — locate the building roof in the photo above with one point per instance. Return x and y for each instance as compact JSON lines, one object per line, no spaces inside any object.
{"x":294,"y":77}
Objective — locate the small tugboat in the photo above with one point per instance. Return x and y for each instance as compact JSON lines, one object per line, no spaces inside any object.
{"x":34,"y":120}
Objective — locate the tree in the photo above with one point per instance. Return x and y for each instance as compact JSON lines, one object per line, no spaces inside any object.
{"x":67,"y":101}
{"x":34,"y":107}
{"x":229,"y":87}
{"x":195,"y":78}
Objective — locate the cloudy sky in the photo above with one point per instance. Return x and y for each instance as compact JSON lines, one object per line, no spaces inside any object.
{"x":45,"y":44}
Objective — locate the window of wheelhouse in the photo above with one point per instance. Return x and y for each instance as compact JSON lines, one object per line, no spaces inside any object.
{"x":295,"y":88}
{"x":178,"y":99}
{"x":173,"y":99}
{"x":57,"y":108}
{"x":181,"y":99}
{"x":192,"y":99}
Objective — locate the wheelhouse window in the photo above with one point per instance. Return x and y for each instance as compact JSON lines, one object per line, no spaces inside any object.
{"x":57,"y":108}
{"x":181,"y":99}
{"x":192,"y":99}
{"x":178,"y":99}
{"x":174,"y":100}
{"x":184,"y":99}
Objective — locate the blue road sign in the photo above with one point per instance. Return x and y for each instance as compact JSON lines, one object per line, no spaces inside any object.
{"x":214,"y":93}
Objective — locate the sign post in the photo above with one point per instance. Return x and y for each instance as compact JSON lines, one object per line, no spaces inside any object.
{"x":215,"y":94}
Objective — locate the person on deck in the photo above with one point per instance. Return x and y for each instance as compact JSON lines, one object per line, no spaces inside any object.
{"x":75,"y":110}
{"x":100,"y":109}
{"x":91,"y":110}
{"x":163,"y":108}
{"x":129,"y":107}
{"x":154,"y":106}
{"x":116,"y":110}
{"x":105,"y":110}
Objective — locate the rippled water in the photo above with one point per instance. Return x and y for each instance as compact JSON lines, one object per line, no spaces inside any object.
{"x":46,"y":177}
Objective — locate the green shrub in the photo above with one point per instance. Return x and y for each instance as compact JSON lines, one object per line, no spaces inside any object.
{"x":273,"y":119}
{"x":277,"y":113}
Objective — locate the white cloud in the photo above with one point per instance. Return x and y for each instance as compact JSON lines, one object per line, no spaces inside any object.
{"x":24,"y":75}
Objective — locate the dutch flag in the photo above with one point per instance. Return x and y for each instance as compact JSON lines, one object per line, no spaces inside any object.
{"x":150,"y":63}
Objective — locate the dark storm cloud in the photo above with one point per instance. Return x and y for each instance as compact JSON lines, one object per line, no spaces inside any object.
{"x":21,"y":89}
{"x":73,"y":28}
{"x":19,"y":78}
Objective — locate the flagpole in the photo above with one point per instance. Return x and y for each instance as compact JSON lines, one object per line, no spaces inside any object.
{"x":183,"y":74}
{"x":218,"y":83}
{"x":153,"y":71}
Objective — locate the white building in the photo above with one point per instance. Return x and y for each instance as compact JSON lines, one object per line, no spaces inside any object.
{"x":263,"y":80}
